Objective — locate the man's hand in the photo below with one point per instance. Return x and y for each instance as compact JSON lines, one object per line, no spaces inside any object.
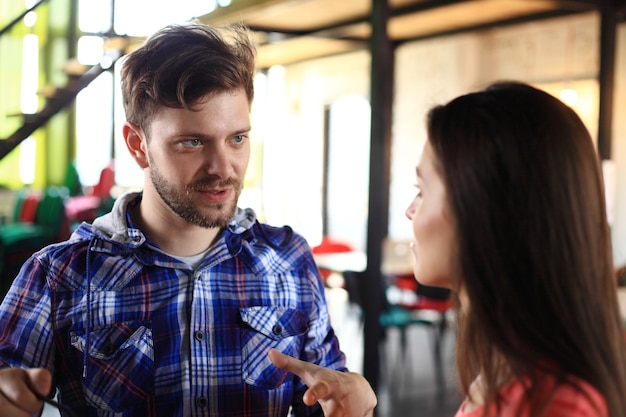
{"x":341,"y":394}
{"x":21,"y":390}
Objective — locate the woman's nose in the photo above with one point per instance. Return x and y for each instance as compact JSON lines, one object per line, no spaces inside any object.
{"x":410,"y":211}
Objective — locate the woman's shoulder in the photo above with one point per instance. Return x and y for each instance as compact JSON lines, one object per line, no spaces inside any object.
{"x":573,"y":398}
{"x":576,"y":398}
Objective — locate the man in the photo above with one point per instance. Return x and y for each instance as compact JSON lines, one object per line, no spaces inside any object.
{"x":174,"y":303}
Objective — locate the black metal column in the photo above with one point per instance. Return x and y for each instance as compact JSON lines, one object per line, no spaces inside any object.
{"x":381,"y":98}
{"x":608,"y":29}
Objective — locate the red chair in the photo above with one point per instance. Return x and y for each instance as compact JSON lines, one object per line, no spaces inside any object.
{"x":327,"y":246}
{"x":85,"y":208}
{"x":25,"y":206}
{"x":29,"y":208}
{"x":107,"y":180}
{"x":430,"y":298}
{"x":422,"y":305}
{"x":20,"y":240}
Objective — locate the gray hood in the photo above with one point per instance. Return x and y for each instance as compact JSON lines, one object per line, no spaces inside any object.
{"x":114,"y":227}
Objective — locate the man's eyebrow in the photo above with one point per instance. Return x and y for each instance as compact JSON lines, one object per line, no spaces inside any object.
{"x":417,"y":172}
{"x":198,"y":134}
{"x":243,"y":131}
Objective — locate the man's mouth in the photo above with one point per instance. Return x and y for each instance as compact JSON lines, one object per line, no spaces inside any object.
{"x":216,"y":195}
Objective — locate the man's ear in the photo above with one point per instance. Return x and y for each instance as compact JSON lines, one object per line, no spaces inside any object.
{"x":136,"y":143}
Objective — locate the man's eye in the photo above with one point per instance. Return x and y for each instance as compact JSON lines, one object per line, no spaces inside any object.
{"x":239,"y":139}
{"x":192,"y":143}
{"x":419,"y":191}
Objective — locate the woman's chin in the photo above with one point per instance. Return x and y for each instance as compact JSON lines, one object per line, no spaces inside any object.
{"x":432,"y":280}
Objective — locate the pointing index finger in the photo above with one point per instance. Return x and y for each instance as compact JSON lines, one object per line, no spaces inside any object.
{"x":290,"y":364}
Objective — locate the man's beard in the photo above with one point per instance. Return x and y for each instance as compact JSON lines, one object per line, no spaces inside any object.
{"x":209,"y":215}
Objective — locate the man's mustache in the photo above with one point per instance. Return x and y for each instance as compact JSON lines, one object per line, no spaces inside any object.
{"x":210,"y":183}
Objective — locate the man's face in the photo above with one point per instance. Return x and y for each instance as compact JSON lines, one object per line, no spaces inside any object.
{"x":197,"y":159}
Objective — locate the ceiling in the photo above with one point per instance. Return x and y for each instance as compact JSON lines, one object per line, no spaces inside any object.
{"x":292,"y":31}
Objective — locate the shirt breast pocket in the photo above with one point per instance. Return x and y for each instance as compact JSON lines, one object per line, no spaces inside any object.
{"x":120,"y":366}
{"x":280,"y":328}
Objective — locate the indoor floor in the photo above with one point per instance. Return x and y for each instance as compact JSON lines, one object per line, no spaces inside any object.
{"x":408,"y":385}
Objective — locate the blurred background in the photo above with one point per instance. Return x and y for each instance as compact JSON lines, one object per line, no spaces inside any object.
{"x":313,"y":106}
{"x":338,"y":124}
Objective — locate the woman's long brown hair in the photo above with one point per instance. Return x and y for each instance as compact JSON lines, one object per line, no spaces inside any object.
{"x":525,"y":186}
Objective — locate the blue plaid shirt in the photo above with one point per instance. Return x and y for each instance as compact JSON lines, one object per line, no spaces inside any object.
{"x":163,"y":339}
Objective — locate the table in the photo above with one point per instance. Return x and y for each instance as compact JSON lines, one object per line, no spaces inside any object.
{"x":342,"y":261}
{"x":397,"y":260}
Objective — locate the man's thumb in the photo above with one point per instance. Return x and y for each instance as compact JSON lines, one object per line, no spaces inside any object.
{"x":39,"y":380}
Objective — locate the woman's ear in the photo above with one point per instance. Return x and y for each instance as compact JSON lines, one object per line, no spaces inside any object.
{"x":135,"y":142}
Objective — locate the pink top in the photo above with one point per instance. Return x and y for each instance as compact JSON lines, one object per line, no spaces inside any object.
{"x":566,"y":402}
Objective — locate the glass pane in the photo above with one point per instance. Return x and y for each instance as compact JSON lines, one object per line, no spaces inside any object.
{"x":94,"y":123}
{"x":143,"y":17}
{"x":127,"y":172}
{"x":30,"y":81}
{"x":348,"y":170}
{"x":28,"y":157}
{"x":90,"y":49}
{"x":94,"y":16}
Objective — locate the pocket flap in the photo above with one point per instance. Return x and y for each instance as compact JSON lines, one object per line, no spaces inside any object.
{"x":274,"y":322}
{"x":109,"y":341}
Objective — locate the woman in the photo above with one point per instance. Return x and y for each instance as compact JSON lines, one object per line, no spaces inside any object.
{"x":511,"y":216}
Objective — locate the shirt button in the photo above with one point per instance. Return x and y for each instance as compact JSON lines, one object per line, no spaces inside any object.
{"x":202,"y":402}
{"x":199,"y":335}
{"x":109,"y":349}
{"x":277,"y":329}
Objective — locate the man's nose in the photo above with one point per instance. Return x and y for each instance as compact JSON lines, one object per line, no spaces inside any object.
{"x":217,"y":161}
